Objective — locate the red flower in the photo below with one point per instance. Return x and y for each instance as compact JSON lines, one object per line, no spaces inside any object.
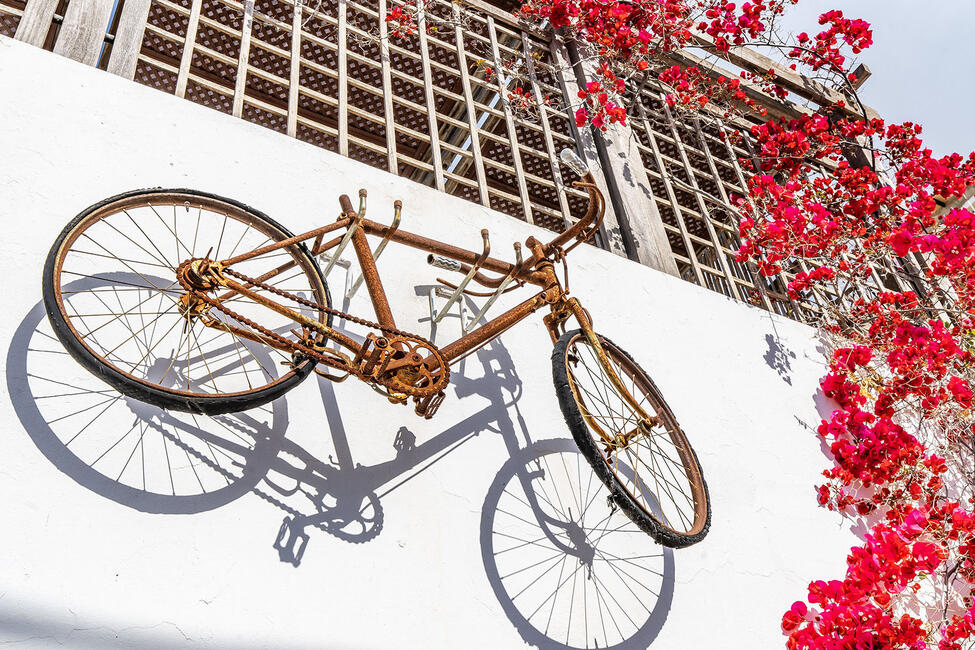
{"x":961,"y":391}
{"x":901,"y":241}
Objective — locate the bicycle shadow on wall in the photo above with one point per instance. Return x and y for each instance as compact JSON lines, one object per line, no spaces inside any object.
{"x":567,"y":570}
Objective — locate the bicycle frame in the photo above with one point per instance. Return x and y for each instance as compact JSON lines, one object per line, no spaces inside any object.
{"x":538,"y":270}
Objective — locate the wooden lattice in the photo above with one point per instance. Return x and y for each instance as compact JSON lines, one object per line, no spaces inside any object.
{"x":10,"y":14}
{"x":695,"y":170}
{"x":421,"y":107}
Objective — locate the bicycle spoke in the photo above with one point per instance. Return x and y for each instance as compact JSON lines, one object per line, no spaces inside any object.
{"x":646,"y":460}
{"x":129,"y":314}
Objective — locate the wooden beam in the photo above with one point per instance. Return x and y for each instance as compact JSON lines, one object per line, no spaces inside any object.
{"x":861,"y":74}
{"x":184,"y":64}
{"x":643,"y":223}
{"x":36,"y":22}
{"x":128,"y":38}
{"x":82,"y":34}
{"x":752,"y":61}
{"x":240,"y":84}
{"x":630,"y":193}
{"x":431,"y":107}
{"x":343,"y":66}
{"x":393,"y":161}
{"x":294,"y":73}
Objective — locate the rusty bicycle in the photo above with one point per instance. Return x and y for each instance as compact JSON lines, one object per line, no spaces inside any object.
{"x":180,"y":298}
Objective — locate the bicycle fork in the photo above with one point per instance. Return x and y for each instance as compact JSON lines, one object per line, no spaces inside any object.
{"x":555,"y":322}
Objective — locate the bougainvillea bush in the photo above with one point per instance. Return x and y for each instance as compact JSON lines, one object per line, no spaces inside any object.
{"x":859,"y":213}
{"x":900,"y":368}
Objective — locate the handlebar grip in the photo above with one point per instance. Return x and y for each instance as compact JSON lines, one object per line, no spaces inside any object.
{"x":572,"y":160}
{"x":444,"y":263}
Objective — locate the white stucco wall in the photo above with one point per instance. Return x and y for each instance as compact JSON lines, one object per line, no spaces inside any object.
{"x":89,"y":562}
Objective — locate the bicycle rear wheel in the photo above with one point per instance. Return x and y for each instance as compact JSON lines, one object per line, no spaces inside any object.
{"x":650,"y":468}
{"x":113,"y":300}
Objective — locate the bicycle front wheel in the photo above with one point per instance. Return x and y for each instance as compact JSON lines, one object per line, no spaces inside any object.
{"x":113,"y":300}
{"x":649,"y":466}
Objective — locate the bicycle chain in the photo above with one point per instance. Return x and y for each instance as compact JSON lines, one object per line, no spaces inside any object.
{"x":413,"y":391}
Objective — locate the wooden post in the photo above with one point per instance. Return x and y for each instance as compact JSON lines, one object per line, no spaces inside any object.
{"x":643,"y":223}
{"x":586,"y":146}
{"x":128,"y":38}
{"x":471,"y":109}
{"x":294,"y":75}
{"x":184,"y":65}
{"x":240,"y":85}
{"x":641,"y":226}
{"x":431,"y":100}
{"x":82,"y":34}
{"x":393,"y":161}
{"x":36,"y":22}
{"x":343,"y":70}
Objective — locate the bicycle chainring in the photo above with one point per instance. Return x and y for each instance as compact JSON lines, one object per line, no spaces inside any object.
{"x":424,"y":372}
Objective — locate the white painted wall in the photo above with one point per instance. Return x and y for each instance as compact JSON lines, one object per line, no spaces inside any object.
{"x":90,"y":562}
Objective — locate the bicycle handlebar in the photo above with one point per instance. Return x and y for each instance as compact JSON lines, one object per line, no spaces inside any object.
{"x":581,"y":231}
{"x":594,"y":216}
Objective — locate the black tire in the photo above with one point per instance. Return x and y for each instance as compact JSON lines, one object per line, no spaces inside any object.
{"x":675,"y":535}
{"x":144,"y":390}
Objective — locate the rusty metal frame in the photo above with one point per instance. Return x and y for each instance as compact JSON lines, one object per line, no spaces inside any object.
{"x":538,"y":270}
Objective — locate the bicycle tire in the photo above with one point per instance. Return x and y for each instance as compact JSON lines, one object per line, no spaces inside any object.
{"x":670,"y":524}
{"x":146,"y":388}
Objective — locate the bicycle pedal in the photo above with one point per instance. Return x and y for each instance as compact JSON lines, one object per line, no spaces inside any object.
{"x":427,"y":406}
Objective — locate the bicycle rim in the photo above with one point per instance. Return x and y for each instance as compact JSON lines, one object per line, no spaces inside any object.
{"x":113,"y":285}
{"x":655,"y":468}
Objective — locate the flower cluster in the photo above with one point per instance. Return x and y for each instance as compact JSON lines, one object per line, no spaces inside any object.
{"x":730,"y":25}
{"x":824,"y":49}
{"x":402,"y":20}
{"x":598,"y":107}
{"x":624,"y":38}
{"x":901,"y":375}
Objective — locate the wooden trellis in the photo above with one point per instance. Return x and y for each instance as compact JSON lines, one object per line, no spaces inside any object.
{"x":424,"y":107}
{"x":421,"y":107}
{"x":694,"y":168}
